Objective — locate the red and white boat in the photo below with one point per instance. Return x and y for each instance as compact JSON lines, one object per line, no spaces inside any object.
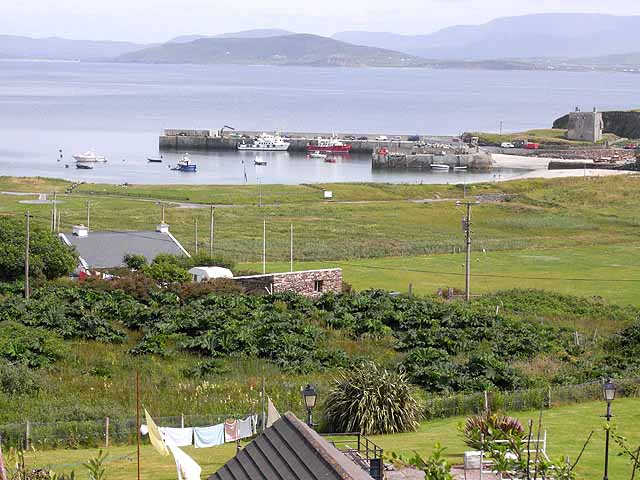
{"x":333,"y":145}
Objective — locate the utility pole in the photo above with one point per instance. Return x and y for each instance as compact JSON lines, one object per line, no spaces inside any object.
{"x":466,"y":228}
{"x":501,"y":123}
{"x":264,"y":247}
{"x":163,"y":213}
{"x":259,"y":192}
{"x":291,"y":247}
{"x":196,"y":221}
{"x":211,"y":233}
{"x":26,"y":257}
{"x":88,"y":215}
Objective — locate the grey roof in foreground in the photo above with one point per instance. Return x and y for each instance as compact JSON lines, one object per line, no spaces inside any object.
{"x":290,"y":450}
{"x":107,"y":249}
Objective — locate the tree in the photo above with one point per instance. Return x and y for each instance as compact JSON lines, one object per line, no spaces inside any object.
{"x":48,"y":257}
{"x":134,"y":261}
{"x":166,"y":270}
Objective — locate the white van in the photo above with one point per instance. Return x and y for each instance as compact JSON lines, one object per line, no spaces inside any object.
{"x":382,"y":138}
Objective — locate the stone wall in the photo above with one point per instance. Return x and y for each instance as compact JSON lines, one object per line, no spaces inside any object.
{"x":310,"y":283}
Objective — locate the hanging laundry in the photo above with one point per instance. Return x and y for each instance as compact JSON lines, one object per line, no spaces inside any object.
{"x":187,"y":467}
{"x":254,"y":423}
{"x":205,"y":437}
{"x":244,"y":428}
{"x":231,"y":430}
{"x":272,"y":413}
{"x":155,"y":436}
{"x":144,"y":430}
{"x":180,"y":437}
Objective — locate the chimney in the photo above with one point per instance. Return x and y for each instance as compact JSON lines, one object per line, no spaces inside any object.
{"x":80,"y":231}
{"x":162,"y":228}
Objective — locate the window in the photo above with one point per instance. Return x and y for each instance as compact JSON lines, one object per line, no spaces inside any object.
{"x":317,"y":285}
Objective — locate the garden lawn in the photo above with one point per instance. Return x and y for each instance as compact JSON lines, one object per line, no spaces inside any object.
{"x":568,"y":427}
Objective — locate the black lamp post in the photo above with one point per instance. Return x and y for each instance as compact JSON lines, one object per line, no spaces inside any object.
{"x":310,"y":396}
{"x":609,"y":393}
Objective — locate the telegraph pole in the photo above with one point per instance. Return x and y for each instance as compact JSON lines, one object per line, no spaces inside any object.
{"x":196,"y":221}
{"x":466,"y":228}
{"x":264,"y":246}
{"x":88,"y":215}
{"x":211,"y":233}
{"x":291,"y":259}
{"x":26,"y":257}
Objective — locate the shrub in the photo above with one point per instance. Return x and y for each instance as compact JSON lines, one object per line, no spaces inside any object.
{"x":17,"y":379}
{"x":372,"y":400}
{"x":134,"y":261}
{"x":481,"y":431}
{"x":206,"y":368}
{"x":166,"y":272}
{"x":32,"y":347}
{"x":193,"y":290}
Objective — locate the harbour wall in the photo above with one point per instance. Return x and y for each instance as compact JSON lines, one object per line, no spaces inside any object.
{"x":202,"y":140}
{"x":473,"y":161}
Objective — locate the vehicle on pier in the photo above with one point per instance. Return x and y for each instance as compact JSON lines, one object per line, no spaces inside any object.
{"x":333,"y":145}
{"x":265,"y":143}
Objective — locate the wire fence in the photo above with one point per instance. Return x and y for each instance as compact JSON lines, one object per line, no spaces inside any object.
{"x":529,"y":399}
{"x":105,"y":432}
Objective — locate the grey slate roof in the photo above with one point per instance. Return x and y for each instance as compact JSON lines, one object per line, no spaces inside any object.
{"x":290,"y":450}
{"x":107,"y":249}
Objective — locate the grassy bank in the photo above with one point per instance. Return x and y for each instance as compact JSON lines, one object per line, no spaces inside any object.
{"x":549,"y":137}
{"x":567,"y":427}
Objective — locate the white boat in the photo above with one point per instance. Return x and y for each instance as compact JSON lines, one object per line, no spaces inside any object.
{"x":319,"y":155}
{"x":265,"y":143}
{"x":260,"y":161}
{"x":89,"y":156}
{"x":460,"y":169}
{"x":185,"y":165}
{"x":440,"y":167}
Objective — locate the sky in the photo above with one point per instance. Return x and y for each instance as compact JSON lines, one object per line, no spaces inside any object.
{"x":159,"y":20}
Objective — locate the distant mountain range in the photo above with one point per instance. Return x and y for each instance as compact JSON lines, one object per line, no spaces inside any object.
{"x":295,"y":49}
{"x":54,"y":48}
{"x":543,"y":35}
{"x":544,"y":41}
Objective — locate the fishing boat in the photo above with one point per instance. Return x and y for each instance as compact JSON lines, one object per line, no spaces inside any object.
{"x":89,"y":156}
{"x":265,"y":143}
{"x":333,"y":144}
{"x":84,"y":166}
{"x":155,"y":159}
{"x":316,"y":154}
{"x":439,"y":167}
{"x":185,"y":165}
{"x":260,"y":161}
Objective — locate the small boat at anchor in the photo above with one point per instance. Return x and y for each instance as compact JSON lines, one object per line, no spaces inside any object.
{"x":460,"y":169}
{"x":155,"y":159}
{"x":260,"y":162}
{"x":331,"y":160}
{"x":317,"y":154}
{"x":440,"y":167}
{"x":89,"y":156}
{"x":185,"y":165}
{"x":84,"y":166}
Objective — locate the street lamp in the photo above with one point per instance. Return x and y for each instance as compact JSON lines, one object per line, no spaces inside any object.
{"x":609,"y":394}
{"x":310,"y":397}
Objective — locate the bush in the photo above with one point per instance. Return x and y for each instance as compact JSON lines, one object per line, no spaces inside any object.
{"x":220,"y":286}
{"x":32,"y":347}
{"x":481,"y":431}
{"x":134,"y":261}
{"x":372,"y":400}
{"x":17,"y":379}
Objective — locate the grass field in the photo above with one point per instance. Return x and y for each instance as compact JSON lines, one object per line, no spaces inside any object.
{"x":568,"y":427}
{"x":549,"y":136}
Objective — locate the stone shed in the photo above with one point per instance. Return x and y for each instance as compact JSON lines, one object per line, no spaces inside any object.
{"x":310,"y":283}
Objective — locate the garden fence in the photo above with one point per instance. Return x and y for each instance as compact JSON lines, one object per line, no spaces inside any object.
{"x":107,"y":431}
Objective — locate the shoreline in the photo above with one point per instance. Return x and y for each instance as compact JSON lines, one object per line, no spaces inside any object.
{"x":538,"y":168}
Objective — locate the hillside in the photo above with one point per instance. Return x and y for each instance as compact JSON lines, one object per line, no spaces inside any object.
{"x":297,"y":49}
{"x":255,"y":33}
{"x":542,"y":35}
{"x":53,"y":48}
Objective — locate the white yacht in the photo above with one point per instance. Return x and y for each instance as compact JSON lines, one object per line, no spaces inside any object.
{"x":89,"y":156}
{"x":265,"y":143}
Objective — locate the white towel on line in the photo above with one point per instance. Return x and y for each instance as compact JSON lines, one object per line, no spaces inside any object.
{"x":180,"y":437}
{"x":187,"y":467}
{"x":244,"y":428}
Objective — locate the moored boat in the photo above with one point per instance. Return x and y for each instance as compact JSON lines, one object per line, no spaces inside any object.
{"x":317,"y":154}
{"x":333,"y":144}
{"x":155,"y":159}
{"x":185,"y":165}
{"x":260,"y":161}
{"x":460,"y":169}
{"x":440,"y":167}
{"x":89,"y":156}
{"x":84,"y":166}
{"x":265,"y":143}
